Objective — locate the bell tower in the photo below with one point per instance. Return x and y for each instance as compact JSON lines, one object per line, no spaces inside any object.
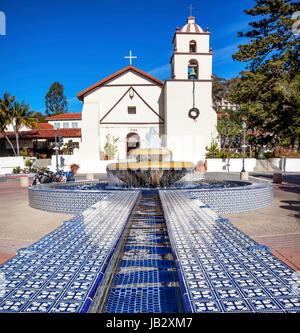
{"x":191,"y":50}
{"x":190,"y":119}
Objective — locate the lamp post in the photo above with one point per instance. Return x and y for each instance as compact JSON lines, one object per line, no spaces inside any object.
{"x":56,"y":148}
{"x":244,"y":126}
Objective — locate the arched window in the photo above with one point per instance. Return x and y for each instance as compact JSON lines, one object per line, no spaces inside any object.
{"x":193,"y":46}
{"x":193,"y":69}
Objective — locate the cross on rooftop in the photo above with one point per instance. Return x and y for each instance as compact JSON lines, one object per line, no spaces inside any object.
{"x":191,"y":10}
{"x":130,"y":57}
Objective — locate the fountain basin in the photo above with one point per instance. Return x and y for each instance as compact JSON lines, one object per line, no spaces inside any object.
{"x":148,"y":174}
{"x":224,"y":196}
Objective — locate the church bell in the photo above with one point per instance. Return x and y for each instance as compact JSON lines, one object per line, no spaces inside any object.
{"x":192,"y":73}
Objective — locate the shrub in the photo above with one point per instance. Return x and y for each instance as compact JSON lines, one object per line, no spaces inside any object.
{"x":286,"y":152}
{"x":28,"y":163}
{"x":212,"y":151}
{"x":24,"y":152}
{"x":222,"y":154}
{"x":17,"y":170}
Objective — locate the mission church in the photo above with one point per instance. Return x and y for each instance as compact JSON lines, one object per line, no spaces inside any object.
{"x":130,"y":102}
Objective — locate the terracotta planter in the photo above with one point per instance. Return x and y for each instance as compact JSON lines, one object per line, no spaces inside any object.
{"x":201,"y":168}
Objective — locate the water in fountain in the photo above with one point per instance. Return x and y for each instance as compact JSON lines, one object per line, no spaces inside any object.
{"x":151,"y":167}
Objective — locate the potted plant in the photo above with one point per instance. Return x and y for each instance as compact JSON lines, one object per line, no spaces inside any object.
{"x":110,"y":147}
{"x":74,"y":167}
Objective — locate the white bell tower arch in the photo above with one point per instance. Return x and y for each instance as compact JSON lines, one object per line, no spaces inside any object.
{"x":191,"y":43}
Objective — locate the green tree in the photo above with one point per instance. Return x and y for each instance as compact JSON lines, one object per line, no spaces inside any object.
{"x":5,"y":106}
{"x":39,"y":116}
{"x":229,"y":126}
{"x":219,"y":89}
{"x":273,"y":44}
{"x":17,"y":115}
{"x":55,"y":100}
{"x":22,"y":116}
{"x":267,"y":91}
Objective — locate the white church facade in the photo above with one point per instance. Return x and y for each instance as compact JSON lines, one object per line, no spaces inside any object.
{"x":128,"y":103}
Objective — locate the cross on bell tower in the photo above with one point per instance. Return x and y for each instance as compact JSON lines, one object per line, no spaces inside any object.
{"x":191,"y":9}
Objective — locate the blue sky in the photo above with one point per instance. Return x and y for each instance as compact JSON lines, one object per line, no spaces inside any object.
{"x":78,"y":42}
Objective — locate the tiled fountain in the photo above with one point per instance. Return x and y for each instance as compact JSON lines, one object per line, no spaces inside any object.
{"x":139,"y":246}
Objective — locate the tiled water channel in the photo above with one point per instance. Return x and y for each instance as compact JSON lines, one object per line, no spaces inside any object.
{"x":145,"y":279}
{"x":118,"y":256}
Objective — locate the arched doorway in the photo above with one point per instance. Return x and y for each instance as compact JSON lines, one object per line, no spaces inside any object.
{"x":132,"y":142}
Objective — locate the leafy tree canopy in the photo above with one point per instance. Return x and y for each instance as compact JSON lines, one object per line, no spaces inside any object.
{"x":273,"y":43}
{"x":269,"y":91}
{"x":55,"y":100}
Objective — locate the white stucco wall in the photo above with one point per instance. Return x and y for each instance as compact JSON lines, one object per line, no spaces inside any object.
{"x":89,"y":147}
{"x":9,"y":128}
{"x":230,"y":164}
{"x":7,"y":164}
{"x":61,"y":123}
{"x":147,"y":98}
{"x":121,"y":131}
{"x":291,"y":164}
{"x":182,"y":42}
{"x":185,"y":137}
{"x":181,"y":62}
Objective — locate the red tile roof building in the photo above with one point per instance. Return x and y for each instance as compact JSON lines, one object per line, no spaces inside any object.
{"x":65,"y":116}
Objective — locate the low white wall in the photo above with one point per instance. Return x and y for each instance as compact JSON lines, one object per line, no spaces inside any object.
{"x":85,"y":166}
{"x":236,"y":164}
{"x":276,"y":162}
{"x":230,"y":164}
{"x":64,"y":161}
{"x":213,"y":164}
{"x":99,"y":166}
{"x":7,"y":164}
{"x":291,"y":164}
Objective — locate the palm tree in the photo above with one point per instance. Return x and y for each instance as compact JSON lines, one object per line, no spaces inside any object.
{"x":22,"y":116}
{"x":3,"y":127}
{"x":6,"y":105}
{"x":17,"y":115}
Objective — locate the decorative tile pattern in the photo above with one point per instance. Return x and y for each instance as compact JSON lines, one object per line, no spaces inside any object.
{"x":72,"y":198}
{"x":61,"y":272}
{"x":221,"y":269}
{"x":234,"y":200}
{"x":68,"y":201}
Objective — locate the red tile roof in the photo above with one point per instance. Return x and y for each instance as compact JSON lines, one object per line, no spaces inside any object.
{"x":45,"y":126}
{"x":65,"y":116}
{"x":46,"y":133}
{"x":128,"y":68}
